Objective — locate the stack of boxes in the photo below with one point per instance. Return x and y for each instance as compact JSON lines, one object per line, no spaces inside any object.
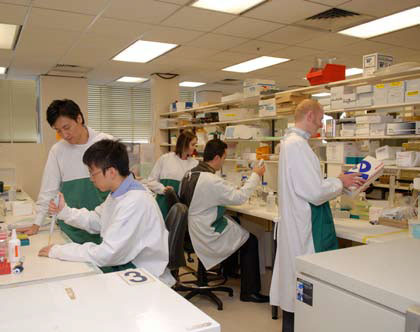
{"x":372,"y":125}
{"x":254,"y":86}
{"x":286,"y":102}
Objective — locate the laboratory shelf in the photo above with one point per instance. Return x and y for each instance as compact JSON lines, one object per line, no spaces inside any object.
{"x":354,"y":138}
{"x":375,"y":107}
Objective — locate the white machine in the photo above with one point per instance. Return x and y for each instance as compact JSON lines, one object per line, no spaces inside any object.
{"x":246,"y":132}
{"x":373,"y":288}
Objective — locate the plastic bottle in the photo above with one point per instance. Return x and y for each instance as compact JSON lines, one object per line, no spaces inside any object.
{"x":271,"y":202}
{"x":14,"y":248}
{"x":244,"y":178}
{"x":263,"y":194}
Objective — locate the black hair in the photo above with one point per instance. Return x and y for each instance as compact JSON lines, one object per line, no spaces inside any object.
{"x":64,"y":107}
{"x":213,"y":148}
{"x":108,"y":153}
{"x":183,"y":141}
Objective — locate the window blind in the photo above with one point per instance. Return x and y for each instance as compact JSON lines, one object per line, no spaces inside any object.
{"x":122,"y":112}
{"x":18,"y":111}
{"x":186,"y":95}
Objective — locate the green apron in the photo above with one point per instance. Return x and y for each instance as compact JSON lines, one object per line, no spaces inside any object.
{"x":161,"y":199}
{"x":323,"y":230}
{"x":81,"y":193}
{"x":220,"y":224}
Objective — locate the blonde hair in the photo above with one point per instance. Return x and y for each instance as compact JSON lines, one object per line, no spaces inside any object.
{"x":304,"y":107}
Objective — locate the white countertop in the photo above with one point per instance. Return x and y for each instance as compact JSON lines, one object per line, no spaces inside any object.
{"x":346,"y":228}
{"x":40,"y":269}
{"x":104,"y":302}
{"x":386,"y":273}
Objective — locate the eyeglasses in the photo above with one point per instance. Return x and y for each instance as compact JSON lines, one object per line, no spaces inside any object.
{"x":92,"y":175}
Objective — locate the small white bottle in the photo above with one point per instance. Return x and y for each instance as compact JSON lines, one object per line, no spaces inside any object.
{"x":14,"y":248}
{"x":271,"y":202}
{"x":263,"y":194}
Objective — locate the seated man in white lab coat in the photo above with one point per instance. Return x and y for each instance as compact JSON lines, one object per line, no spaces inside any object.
{"x":306,"y":224}
{"x":215,"y":236}
{"x":129,"y":221}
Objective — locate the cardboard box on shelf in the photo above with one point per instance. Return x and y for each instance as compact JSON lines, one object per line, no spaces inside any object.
{"x":267,"y":107}
{"x":411,"y":146}
{"x":285,"y":97}
{"x":258,"y":81}
{"x":374,"y":118}
{"x":401,"y":128}
{"x":412,"y":91}
{"x":255,"y":90}
{"x":364,"y":89}
{"x":349,"y":100}
{"x":234,"y":96}
{"x":373,"y":62}
{"x":364,"y":99}
{"x":347,"y":132}
{"x":377,"y":129}
{"x":246,"y":132}
{"x":234,"y":114}
{"x":168,"y":122}
{"x":362,"y":129}
{"x":324,"y":101}
{"x":380,"y":94}
{"x":396,"y":92}
{"x":338,"y":151}
{"x":408,"y":159}
{"x":387,"y":152}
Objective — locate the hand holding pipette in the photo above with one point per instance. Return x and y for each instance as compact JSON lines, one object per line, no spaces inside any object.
{"x":55,"y":206}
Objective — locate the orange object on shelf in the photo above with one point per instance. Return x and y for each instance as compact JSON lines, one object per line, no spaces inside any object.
{"x":5,"y":267}
{"x":330,"y":73}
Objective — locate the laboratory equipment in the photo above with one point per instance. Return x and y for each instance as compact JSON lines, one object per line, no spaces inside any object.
{"x":271,"y":202}
{"x":14,"y":248}
{"x":263,"y":194}
{"x":365,"y":288}
{"x":53,"y":219}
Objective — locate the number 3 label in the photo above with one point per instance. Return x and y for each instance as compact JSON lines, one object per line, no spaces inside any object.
{"x":136,"y":277}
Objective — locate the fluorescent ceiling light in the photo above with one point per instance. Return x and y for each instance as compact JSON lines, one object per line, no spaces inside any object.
{"x":254,"y":64}
{"x":129,"y":79}
{"x":191,"y":84}
{"x":353,"y":71}
{"x":2,"y":70}
{"x":227,"y":6}
{"x":398,"y":21}
{"x":322,"y":94}
{"x":143,"y":51}
{"x":8,"y":35}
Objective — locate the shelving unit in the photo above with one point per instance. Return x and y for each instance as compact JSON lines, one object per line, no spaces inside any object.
{"x":378,"y":108}
{"x":355,"y":138}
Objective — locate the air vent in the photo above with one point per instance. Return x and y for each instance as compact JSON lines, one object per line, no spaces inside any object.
{"x":69,"y":70}
{"x":332,"y":13}
{"x":229,"y":81}
{"x":334,"y":20}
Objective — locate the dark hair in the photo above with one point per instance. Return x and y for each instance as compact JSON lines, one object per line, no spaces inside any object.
{"x":64,"y":107}
{"x":214,"y":147}
{"x":108,"y":153}
{"x":183,"y":141}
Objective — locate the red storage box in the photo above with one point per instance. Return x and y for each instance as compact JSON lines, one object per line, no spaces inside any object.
{"x":330,"y":73}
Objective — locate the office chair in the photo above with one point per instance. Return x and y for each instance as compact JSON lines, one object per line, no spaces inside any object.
{"x":172,"y":198}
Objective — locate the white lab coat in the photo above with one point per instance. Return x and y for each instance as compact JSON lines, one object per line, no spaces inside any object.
{"x":132,"y":229}
{"x":169,"y":166}
{"x":64,"y":164}
{"x":300,"y":182}
{"x":210,"y":192}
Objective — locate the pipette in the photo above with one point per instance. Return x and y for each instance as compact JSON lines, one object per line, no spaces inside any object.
{"x":53,"y":219}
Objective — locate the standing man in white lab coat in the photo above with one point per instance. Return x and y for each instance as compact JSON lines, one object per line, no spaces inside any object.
{"x":129,"y":221}
{"x":215,"y":236}
{"x":306,"y":224}
{"x":65,"y":171}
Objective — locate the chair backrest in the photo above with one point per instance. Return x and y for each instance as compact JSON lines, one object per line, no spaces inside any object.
{"x":176,"y":223}
{"x":171,"y":198}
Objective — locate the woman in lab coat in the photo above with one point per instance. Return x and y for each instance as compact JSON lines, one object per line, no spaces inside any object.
{"x":306,"y":225}
{"x":170,"y":168}
{"x":129,"y":220}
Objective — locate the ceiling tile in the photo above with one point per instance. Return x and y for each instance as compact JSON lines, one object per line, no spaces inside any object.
{"x":407,"y":38}
{"x":258,"y":47}
{"x":378,"y":8}
{"x":197,"y":19}
{"x":17,"y":2}
{"x":286,"y":11}
{"x":294,"y":52}
{"x":170,"y":35}
{"x":147,"y":11}
{"x":188,"y":52}
{"x":178,"y":2}
{"x":329,"y":41}
{"x":91,"y":7}
{"x":39,"y":42}
{"x":5,"y":57}
{"x":217,"y":42}
{"x":113,"y":27}
{"x":247,"y":27}
{"x":54,"y":19}
{"x":291,"y":35}
{"x":230,"y":58}
{"x":12,"y":14}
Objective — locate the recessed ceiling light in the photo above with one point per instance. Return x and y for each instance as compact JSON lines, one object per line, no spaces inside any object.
{"x":191,"y":84}
{"x":353,"y":71}
{"x":130,"y":79}
{"x":401,"y":20}
{"x":144,"y":51}
{"x":8,"y":35}
{"x":227,"y":6}
{"x":2,"y":70}
{"x":322,"y":94}
{"x":254,"y":64}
